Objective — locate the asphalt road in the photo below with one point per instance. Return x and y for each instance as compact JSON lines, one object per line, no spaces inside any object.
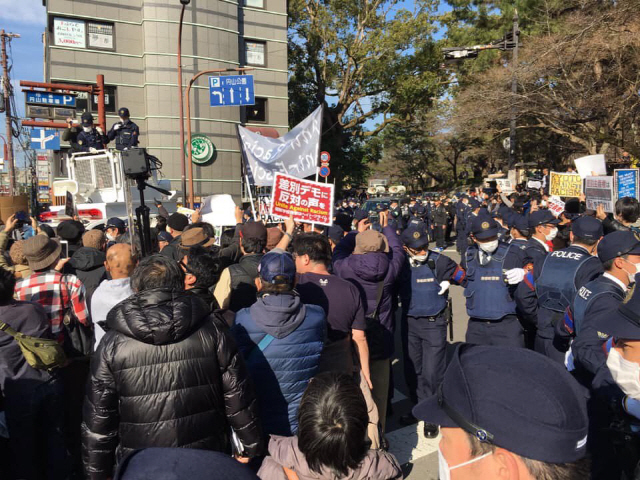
{"x":418,"y":455}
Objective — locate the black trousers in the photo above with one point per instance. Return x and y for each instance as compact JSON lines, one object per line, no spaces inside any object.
{"x":439,"y":234}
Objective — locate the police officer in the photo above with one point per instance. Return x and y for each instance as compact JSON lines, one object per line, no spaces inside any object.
{"x":492,"y":272}
{"x":543,"y":228}
{"x":508,"y":414}
{"x":90,"y":139}
{"x":423,"y":287}
{"x":395,"y":215}
{"x":440,"y":220}
{"x":125,"y":132}
{"x":586,"y":319}
{"x":462,"y":208}
{"x":549,"y":289}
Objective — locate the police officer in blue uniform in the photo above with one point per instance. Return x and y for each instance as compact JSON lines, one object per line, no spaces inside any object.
{"x":462,"y":208}
{"x":493,"y":270}
{"x":125,"y":132}
{"x":546,"y":292}
{"x":585,"y":321}
{"x":472,"y":212}
{"x":90,"y":139}
{"x":423,"y":289}
{"x":543,"y":228}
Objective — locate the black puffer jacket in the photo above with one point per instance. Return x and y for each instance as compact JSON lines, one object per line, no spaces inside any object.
{"x":166,"y":374}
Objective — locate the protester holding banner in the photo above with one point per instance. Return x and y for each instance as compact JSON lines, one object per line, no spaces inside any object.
{"x":627,"y":212}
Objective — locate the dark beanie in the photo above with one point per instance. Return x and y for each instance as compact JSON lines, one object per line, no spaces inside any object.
{"x":178,"y":222}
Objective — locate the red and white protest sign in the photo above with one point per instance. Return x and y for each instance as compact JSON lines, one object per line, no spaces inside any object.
{"x":555,"y":205}
{"x":309,"y":202}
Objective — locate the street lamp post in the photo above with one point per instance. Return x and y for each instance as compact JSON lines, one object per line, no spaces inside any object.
{"x":190,"y":153}
{"x":182,"y":162}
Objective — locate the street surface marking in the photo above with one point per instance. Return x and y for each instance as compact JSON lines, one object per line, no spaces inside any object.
{"x":409,"y":444}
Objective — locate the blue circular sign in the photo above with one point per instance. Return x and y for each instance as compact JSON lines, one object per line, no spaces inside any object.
{"x":324,"y":171}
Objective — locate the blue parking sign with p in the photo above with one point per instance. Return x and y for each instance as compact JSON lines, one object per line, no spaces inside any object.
{"x":232,"y":90}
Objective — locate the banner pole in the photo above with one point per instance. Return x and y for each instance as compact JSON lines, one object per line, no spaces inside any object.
{"x":253,"y":207}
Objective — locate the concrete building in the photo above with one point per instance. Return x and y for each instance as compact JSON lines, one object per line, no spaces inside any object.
{"x":133,"y":43}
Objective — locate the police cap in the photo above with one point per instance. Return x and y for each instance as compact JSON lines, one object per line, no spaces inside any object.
{"x":474,"y":203}
{"x":124,"y":112}
{"x":617,"y":244}
{"x":360,"y":214}
{"x":335,"y":233}
{"x":625,"y":321}
{"x":542,"y":217}
{"x":115,"y":222}
{"x":87,"y":119}
{"x":587,"y":227}
{"x":520,"y":223}
{"x":513,"y":398}
{"x":415,"y":237}
{"x":483,"y":226}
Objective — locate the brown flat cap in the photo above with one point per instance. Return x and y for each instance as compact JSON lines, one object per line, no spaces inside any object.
{"x":371,"y":241}
{"x":195,"y":236}
{"x":274,"y":235}
{"x":41,"y":251}
{"x":255,"y":230}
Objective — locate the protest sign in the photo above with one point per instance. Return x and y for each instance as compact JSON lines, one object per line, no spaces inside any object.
{"x":565,"y":185}
{"x":309,"y":202}
{"x":599,"y":191}
{"x":69,"y":205}
{"x":219,"y":210}
{"x":295,"y":153}
{"x":534,"y":184}
{"x":555,"y":206}
{"x":591,"y":165}
{"x":505,"y":185}
{"x":626,"y":182}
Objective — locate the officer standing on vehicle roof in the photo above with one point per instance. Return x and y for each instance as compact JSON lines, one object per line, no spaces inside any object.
{"x":546,"y":292}
{"x":125,"y":132}
{"x":493,"y":270}
{"x":90,"y":139}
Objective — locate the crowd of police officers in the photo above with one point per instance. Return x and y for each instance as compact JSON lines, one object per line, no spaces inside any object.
{"x":531,"y":279}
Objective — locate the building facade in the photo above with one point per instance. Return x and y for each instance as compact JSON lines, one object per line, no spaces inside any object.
{"x":133,"y":43}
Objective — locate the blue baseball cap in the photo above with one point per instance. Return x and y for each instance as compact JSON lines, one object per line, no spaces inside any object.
{"x":115,"y":222}
{"x":513,"y":398}
{"x":520,"y":223}
{"x":415,"y":237}
{"x":277,"y":268}
{"x":483,"y":226}
{"x":625,"y":321}
{"x":335,"y":233}
{"x":165,"y":237}
{"x":542,"y":217}
{"x":617,"y":244}
{"x":587,"y":227}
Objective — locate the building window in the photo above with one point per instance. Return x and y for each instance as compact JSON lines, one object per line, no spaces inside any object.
{"x":70,"y":32}
{"x":257,"y":113}
{"x":255,"y":52}
{"x":254,"y":3}
{"x":109,"y":100}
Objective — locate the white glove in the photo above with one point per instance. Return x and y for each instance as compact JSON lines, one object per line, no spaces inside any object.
{"x":117,"y":126}
{"x":444,"y":286}
{"x":99,"y":130}
{"x":93,"y":150}
{"x":631,"y":406}
{"x":515,"y":275}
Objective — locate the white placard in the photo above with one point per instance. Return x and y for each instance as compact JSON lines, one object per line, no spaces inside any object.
{"x":219,"y":210}
{"x":591,"y":165}
{"x":69,"y":33}
{"x":599,"y":191}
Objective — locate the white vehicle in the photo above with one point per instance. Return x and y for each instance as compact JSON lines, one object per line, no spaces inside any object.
{"x":101,"y":190}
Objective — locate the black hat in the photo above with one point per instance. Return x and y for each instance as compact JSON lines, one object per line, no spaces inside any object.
{"x":360,"y":214}
{"x":416,"y":238}
{"x":256,"y":230}
{"x":513,"y":398}
{"x":542,"y":217}
{"x":483,"y":226}
{"x":618,"y":243}
{"x":87,"y":119}
{"x":115,"y":222}
{"x":344,"y":221}
{"x":123,"y":112}
{"x":625,"y":321}
{"x":587,"y":227}
{"x":520,"y":223}
{"x":336,"y":233}
{"x":70,"y":230}
{"x":178,"y":221}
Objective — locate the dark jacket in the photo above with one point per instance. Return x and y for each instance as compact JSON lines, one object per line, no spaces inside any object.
{"x":610,"y":225}
{"x":282,"y":369}
{"x":166,"y":374}
{"x":366,"y":270}
{"x":88,"y":264}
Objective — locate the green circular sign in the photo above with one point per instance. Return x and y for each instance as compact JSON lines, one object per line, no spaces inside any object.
{"x":203,"y":151}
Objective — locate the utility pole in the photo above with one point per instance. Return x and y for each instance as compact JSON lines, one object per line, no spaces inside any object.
{"x":514,"y":91}
{"x":4,"y":37}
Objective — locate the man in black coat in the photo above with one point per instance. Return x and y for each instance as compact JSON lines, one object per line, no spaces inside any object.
{"x":88,"y":262}
{"x":166,"y":374}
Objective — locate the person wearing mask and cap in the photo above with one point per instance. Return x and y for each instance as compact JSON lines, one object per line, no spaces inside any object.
{"x":543,"y":228}
{"x":423,"y":286}
{"x":508,"y":414}
{"x":335,"y":234}
{"x":125,"y":132}
{"x":545,"y":293}
{"x":493,"y":270}
{"x":114,"y":228}
{"x":586,"y":318}
{"x":90,"y":139}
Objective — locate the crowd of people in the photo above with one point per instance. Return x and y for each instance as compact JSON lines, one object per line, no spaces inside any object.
{"x":267,"y":351}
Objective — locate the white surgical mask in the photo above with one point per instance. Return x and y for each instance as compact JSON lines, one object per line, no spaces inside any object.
{"x":111,"y":238}
{"x":444,"y":470}
{"x":552,"y":234}
{"x":625,"y":373}
{"x":86,"y":129}
{"x":489,"y":247}
{"x":632,"y":276}
{"x":543,"y":203}
{"x":123,"y":120}
{"x":419,"y":258}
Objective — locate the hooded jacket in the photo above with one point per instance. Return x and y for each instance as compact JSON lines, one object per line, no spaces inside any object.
{"x":284,"y":452}
{"x":281,"y":370}
{"x":166,"y":374}
{"x":88,"y":264}
{"x":366,"y":270}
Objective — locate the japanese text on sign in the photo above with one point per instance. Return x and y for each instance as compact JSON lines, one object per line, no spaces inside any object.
{"x":626,"y":182}
{"x":307,"y":201}
{"x":565,"y":185}
{"x":599,"y":191}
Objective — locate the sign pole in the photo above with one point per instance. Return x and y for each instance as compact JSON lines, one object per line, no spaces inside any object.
{"x":253,"y":207}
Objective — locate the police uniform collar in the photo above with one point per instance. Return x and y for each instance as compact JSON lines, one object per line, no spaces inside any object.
{"x":615,"y":280}
{"x":546,"y":247}
{"x":581,"y":248}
